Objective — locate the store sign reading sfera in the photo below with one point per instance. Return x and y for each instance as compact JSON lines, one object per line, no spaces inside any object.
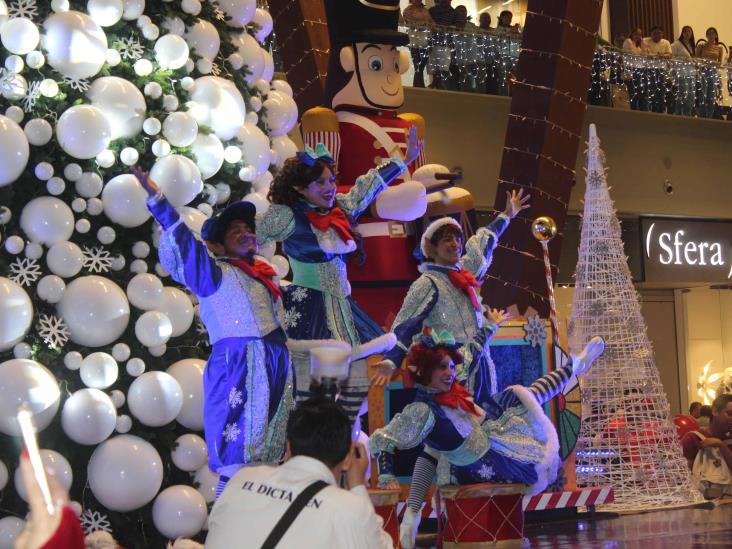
{"x":685,"y":250}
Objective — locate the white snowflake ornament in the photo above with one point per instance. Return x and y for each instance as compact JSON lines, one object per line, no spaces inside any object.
{"x":535,"y":331}
{"x":24,"y":271}
{"x":97,"y":260}
{"x":53,"y":331}
{"x":93,"y":521}
{"x":23,"y":8}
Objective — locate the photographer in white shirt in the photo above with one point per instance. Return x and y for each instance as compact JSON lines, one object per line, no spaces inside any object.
{"x":319,"y":448}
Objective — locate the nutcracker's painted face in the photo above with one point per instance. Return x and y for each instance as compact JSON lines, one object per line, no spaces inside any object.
{"x":376,"y":76}
{"x":444,"y":375}
{"x":322,"y":191}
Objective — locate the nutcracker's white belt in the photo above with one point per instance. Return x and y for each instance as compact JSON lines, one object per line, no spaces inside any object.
{"x":385,"y":228}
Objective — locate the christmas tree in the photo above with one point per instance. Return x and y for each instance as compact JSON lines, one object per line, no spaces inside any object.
{"x":94,"y":335}
{"x":627,"y":439}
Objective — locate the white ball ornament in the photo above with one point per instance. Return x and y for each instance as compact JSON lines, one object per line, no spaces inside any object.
{"x":282,"y":86}
{"x":118,"y":263}
{"x":99,"y":370}
{"x":105,"y":159}
{"x":14,"y":244}
{"x":153,"y":328}
{"x":232,"y":154}
{"x":192,"y":7}
{"x":106,"y":234}
{"x":209,"y":153}
{"x":189,"y":374}
{"x":190,"y":453}
{"x":124,"y":424}
{"x":170,"y":103}
{"x":143,"y":21}
{"x":189,"y":66}
{"x":205,"y":209}
{"x":47,"y":220}
{"x":22,"y":350}
{"x":178,"y":177}
{"x":30,"y":382}
{"x":105,"y":13}
{"x":157,"y":350}
{"x":14,"y":63}
{"x":151,"y":32}
{"x":94,"y":206}
{"x":118,"y":398}
{"x":83,"y":226}
{"x":153,"y":89}
{"x":121,"y":102}
{"x":135,"y":367}
{"x":15,"y":88}
{"x":89,"y":416}
{"x":141,"y":249}
{"x":48,"y":87}
{"x":247,"y":173}
{"x":218,"y":104}
{"x":35,"y":59}
{"x":58,"y":465}
{"x":261,"y":86}
{"x":38,"y":131}
{"x":281,"y":265}
{"x":65,"y":259}
{"x":76,"y":46}
{"x":60,"y":5}
{"x":268,"y":71}
{"x":55,"y":186}
{"x":252,"y":118}
{"x":73,"y":360}
{"x":240,"y":11}
{"x":89,"y":185}
{"x":145,"y":291}
{"x":180,"y":129}
{"x":224,"y":192}
{"x":203,"y":39}
{"x":177,"y":306}
{"x":43,"y":171}
{"x":155,"y":398}
{"x":263,"y":19}
{"x":256,"y":103}
{"x":187,"y":83}
{"x":284,"y":147}
{"x":160,"y":148}
{"x":10,"y":528}
{"x":160,"y":271}
{"x":138,"y":266}
{"x":125,"y":473}
{"x":193,"y":218}
{"x":143,"y":67}
{"x":174,"y":25}
{"x":113,"y":57}
{"x":207,"y":482}
{"x":14,"y":151}
{"x":33,"y":250}
{"x":19,"y":35}
{"x":4,"y":475}
{"x":121,"y":352}
{"x":5,"y":215}
{"x":133,"y":9}
{"x":151,"y":126}
{"x":204,"y":66}
{"x":252,"y":54}
{"x":73,"y":171}
{"x":236,"y":61}
{"x":281,"y":113}
{"x":51,"y":288}
{"x":129,"y":156}
{"x":179,"y":511}
{"x":255,"y":147}
{"x":16,"y":313}
{"x":124,"y":199}
{"x":95,"y":310}
{"x":171,"y":51}
{"x":83,"y":131}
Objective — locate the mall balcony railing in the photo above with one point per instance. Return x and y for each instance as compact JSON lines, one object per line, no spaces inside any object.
{"x":482,"y":61}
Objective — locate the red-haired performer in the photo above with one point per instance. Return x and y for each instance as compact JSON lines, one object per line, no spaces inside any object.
{"x":511,"y":440}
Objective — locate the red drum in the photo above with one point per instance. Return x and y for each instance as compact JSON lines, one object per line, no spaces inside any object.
{"x":385,"y":505}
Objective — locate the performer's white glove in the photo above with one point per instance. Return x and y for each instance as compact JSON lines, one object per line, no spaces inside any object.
{"x":409,"y":527}
{"x":404,"y":202}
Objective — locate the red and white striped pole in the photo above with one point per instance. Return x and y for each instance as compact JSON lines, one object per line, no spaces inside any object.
{"x":544,"y":229}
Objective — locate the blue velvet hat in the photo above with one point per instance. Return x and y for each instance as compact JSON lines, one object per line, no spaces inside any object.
{"x":214,"y":228}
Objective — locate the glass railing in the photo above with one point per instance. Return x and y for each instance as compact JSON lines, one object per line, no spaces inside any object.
{"x":481,"y":61}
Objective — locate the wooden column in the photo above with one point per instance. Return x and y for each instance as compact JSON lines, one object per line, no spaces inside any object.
{"x":302,"y":39}
{"x":542,"y":140}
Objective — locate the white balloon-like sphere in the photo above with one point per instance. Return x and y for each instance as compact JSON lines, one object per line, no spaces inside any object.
{"x":284,"y":147}
{"x":30,"y":382}
{"x":170,"y":103}
{"x":55,"y":186}
{"x":89,"y":185}
{"x":106,"y":234}
{"x":179,"y":511}
{"x":65,"y":259}
{"x":129,"y":156}
{"x":189,"y":374}
{"x":10,"y":528}
{"x":153,"y":328}
{"x":203,"y":39}
{"x":106,"y":159}
{"x":268,"y":70}
{"x":190,"y":453}
{"x":125,"y":473}
{"x":261,"y":203}
{"x":14,"y":244}
{"x":282,"y":86}
{"x":95,"y":310}
{"x":133,"y":9}
{"x":38,"y":131}
{"x":177,"y":306}
{"x":141,"y":249}
{"x":16,"y":313}
{"x":261,"y":86}
{"x":35,"y":60}
{"x":192,"y":7}
{"x":43,"y":171}
{"x":240,"y":11}
{"x":138,"y":266}
{"x":14,"y":151}
{"x":209,"y":153}
{"x":73,"y":360}
{"x":255,"y":147}
{"x":47,"y":220}
{"x":113,"y":57}
{"x":178,"y":177}
{"x":88,"y":416}
{"x":48,"y":87}
{"x":135,"y":367}
{"x":264,"y":21}
{"x":151,"y":126}
{"x":281,"y":113}
{"x":122,"y":104}
{"x":4,"y":475}
{"x":14,"y":112}
{"x":124,"y":201}
{"x":160,"y":148}
{"x":143,"y":67}
{"x":180,"y":129}
{"x":193,"y":218}
{"x":204,"y":66}
{"x":33,"y":250}
{"x":83,"y":226}
{"x":263,"y":183}
{"x":99,"y":370}
{"x":94,"y":206}
{"x":76,"y":46}
{"x":22,"y":350}
{"x":51,"y":288}
{"x":19,"y":35}
{"x":118,"y":398}
{"x":252,"y":54}
{"x":174,"y":25}
{"x":83,"y":131}
{"x":218,"y":104}
{"x":155,"y":398}
{"x":121,"y":352}
{"x":73,"y":171}
{"x":158,"y":350}
{"x":59,"y":466}
{"x":236,"y":61}
{"x":207,"y":482}
{"x":232,"y":154}
{"x":15,"y":88}
{"x":171,"y":51}
{"x":105,"y":13}
{"x":153,"y":89}
{"x":124,"y":424}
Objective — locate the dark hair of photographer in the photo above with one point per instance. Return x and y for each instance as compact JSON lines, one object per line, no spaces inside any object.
{"x":320,"y":429}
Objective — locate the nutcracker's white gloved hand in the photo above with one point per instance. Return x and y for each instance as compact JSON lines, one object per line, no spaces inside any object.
{"x":404,"y":202}
{"x":408,"y":528}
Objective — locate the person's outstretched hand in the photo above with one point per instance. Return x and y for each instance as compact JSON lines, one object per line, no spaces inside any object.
{"x":383,"y":375}
{"x":516,"y":202}
{"x":414,"y":145}
{"x":144,"y":178}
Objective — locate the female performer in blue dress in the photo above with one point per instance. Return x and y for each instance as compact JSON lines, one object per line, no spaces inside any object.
{"x":315,"y":226}
{"x":510,"y":441}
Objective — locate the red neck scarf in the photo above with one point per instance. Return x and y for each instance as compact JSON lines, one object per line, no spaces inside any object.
{"x":457,"y":397}
{"x":465,"y":281}
{"x":334,"y":218}
{"x":261,"y":271}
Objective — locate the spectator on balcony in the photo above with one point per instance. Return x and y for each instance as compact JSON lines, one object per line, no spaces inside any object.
{"x":638,"y":80}
{"x":684,"y":47}
{"x":712,"y":50}
{"x":484,"y":21}
{"x":656,"y":44}
{"x":504,"y":23}
{"x":443,"y":13}
{"x":467,"y":52}
{"x":634,"y":43}
{"x":705,"y":416}
{"x":440,"y":61}
{"x":417,"y":17}
{"x":695,"y":407}
{"x":655,"y":75}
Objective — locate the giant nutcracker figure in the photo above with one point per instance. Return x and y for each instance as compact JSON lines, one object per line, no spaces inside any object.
{"x":361,"y":127}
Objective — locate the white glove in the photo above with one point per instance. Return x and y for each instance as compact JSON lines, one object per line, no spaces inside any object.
{"x":408,"y":528}
{"x":404,"y":202}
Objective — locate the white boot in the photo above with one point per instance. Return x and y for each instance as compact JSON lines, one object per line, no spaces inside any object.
{"x":408,"y":528}
{"x":582,"y":362}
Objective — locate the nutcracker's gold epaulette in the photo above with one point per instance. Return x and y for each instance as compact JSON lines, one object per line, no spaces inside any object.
{"x":319,"y":119}
{"x":416,"y":120}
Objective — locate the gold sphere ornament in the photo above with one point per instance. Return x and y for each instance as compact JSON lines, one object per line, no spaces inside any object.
{"x":544,"y":228}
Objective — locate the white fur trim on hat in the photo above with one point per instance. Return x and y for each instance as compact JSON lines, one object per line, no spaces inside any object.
{"x":432,"y":229}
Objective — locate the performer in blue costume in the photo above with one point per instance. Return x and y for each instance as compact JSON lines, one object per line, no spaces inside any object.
{"x":315,"y":226}
{"x":446,"y":296}
{"x":248,"y":381}
{"x":512,"y":440}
